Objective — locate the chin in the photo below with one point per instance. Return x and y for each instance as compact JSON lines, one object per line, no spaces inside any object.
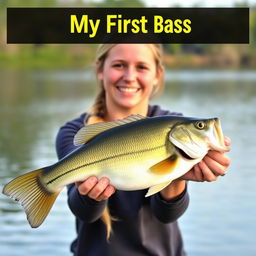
{"x":130,"y":104}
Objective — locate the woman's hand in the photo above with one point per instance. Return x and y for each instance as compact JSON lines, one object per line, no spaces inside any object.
{"x":213,"y":165}
{"x":98,"y":190}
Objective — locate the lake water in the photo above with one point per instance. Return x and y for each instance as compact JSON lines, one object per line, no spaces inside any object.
{"x":221,"y":219}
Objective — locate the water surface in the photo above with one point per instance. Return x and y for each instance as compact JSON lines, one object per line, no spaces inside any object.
{"x":221,"y":219}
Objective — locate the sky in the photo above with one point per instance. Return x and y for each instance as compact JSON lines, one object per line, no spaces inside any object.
{"x":198,"y":3}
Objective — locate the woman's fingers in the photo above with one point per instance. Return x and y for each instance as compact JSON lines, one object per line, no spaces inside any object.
{"x":207,"y":172}
{"x":96,"y":189}
{"x":85,"y":187}
{"x":213,"y":165}
{"x":109,"y":191}
{"x":216,"y":166}
{"x":198,"y":173}
{"x":218,"y":157}
{"x":99,"y":189}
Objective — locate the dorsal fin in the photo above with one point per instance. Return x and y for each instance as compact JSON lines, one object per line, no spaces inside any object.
{"x":90,"y":131}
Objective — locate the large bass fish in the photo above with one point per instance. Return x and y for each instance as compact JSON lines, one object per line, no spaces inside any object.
{"x":134,"y":153}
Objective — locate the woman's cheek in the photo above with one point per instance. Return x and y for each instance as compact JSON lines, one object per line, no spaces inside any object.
{"x":147,"y":84}
{"x":113,"y":76}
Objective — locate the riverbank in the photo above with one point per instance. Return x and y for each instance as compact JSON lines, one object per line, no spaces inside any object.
{"x":82,"y":56}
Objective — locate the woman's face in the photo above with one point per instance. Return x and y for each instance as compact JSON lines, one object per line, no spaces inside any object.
{"x":128,"y":75}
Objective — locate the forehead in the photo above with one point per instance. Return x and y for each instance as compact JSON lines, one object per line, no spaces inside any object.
{"x":131,"y":52}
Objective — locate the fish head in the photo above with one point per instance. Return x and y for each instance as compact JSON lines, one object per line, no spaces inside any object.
{"x":193,"y":138}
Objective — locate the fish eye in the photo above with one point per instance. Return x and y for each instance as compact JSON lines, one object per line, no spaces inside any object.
{"x":200,"y":125}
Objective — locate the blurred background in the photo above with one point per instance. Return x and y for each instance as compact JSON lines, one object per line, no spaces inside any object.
{"x":44,"y":86}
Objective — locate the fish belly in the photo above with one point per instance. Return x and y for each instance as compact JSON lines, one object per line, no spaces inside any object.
{"x":131,"y":171}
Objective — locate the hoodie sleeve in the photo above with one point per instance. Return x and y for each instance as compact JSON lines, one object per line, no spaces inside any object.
{"x":171,"y":210}
{"x":82,"y":207}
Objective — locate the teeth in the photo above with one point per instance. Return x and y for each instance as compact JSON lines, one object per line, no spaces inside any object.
{"x":125,"y":89}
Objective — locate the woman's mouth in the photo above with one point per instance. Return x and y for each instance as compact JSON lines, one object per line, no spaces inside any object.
{"x":128,"y":89}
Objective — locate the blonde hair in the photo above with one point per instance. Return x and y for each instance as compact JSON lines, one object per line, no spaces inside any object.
{"x":99,"y":106}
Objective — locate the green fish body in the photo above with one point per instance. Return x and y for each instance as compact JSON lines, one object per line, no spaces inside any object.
{"x":134,"y":153}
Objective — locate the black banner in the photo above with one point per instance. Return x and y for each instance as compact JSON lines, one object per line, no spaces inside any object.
{"x":127,"y":25}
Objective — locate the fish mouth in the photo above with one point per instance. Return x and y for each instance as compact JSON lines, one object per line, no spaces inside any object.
{"x":183,"y":154}
{"x":218,"y":141}
{"x":186,"y":151}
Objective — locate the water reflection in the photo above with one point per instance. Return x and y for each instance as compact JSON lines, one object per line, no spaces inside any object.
{"x":34,"y":104}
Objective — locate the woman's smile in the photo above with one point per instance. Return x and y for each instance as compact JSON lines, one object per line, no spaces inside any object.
{"x":128,"y":91}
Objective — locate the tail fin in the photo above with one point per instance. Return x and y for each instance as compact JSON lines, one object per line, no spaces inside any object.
{"x":28,"y":191}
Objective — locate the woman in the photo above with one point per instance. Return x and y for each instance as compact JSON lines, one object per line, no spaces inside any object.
{"x":129,"y":75}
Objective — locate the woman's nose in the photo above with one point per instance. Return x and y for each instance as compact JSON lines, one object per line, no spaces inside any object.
{"x":129,"y":74}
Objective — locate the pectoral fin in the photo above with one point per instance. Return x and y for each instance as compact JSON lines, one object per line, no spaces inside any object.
{"x":162,"y":168}
{"x":165,"y":166}
{"x":153,"y":190}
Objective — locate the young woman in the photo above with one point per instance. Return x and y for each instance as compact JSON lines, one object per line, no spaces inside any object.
{"x":129,"y":75}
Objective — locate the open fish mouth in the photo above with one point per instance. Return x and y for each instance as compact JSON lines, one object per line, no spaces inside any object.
{"x":184,"y":154}
{"x":189,"y":151}
{"x":217,"y":142}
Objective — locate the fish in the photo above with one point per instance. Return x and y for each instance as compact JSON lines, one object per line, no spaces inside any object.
{"x":135,"y":153}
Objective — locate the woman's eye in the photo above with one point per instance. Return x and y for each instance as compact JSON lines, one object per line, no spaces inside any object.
{"x":142,"y":67}
{"x":118,"y":65}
